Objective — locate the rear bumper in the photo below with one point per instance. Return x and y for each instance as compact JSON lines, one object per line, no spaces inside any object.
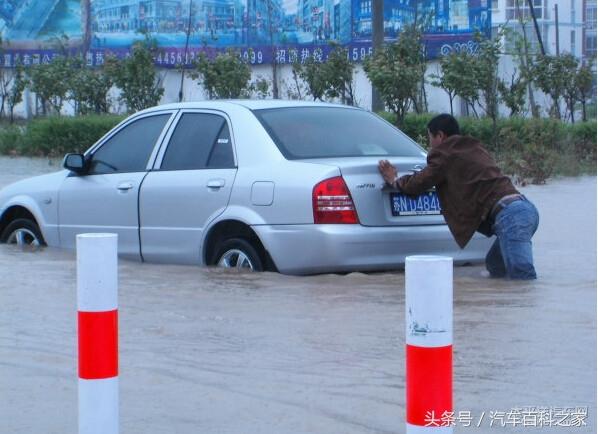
{"x":309,"y":249}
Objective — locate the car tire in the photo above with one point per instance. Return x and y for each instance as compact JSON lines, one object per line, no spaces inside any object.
{"x":238,"y":253}
{"x":23,"y":232}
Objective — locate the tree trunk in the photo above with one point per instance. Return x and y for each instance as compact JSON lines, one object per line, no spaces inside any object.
{"x":274,"y":52}
{"x":274,"y":79}
{"x":525,"y":64}
{"x":86,"y":24}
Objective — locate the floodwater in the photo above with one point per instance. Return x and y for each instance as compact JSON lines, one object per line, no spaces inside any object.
{"x":213,"y":351}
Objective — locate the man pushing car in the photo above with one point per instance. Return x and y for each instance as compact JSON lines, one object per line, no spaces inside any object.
{"x":474,"y":196}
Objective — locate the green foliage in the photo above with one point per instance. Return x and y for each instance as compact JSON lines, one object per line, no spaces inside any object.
{"x":136,"y":76}
{"x":513,"y":94}
{"x":449,"y":79}
{"x":533,"y":163}
{"x":530,"y":150}
{"x":396,"y":71}
{"x":50,"y":82}
{"x":486,"y":72}
{"x":261,"y":88}
{"x":225,"y":76}
{"x":12,"y":85}
{"x":331,"y":79}
{"x":415,"y":126}
{"x":459,"y":77}
{"x":526,"y":57}
{"x":89,"y":88}
{"x":11,"y":137}
{"x":584,"y":81}
{"x":582,"y":137}
{"x":552,"y":75}
{"x":55,"y":136}
{"x":338,"y":71}
{"x":12,"y":89}
{"x":295,"y":87}
{"x":312,"y":73}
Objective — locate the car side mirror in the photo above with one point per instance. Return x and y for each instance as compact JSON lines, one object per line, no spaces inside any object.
{"x":75,"y":163}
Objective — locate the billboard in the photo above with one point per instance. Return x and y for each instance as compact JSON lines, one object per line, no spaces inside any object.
{"x":263,"y":30}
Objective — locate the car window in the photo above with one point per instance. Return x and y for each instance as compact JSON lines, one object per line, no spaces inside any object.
{"x":329,"y":132}
{"x":129,"y":149}
{"x":199,"y":141}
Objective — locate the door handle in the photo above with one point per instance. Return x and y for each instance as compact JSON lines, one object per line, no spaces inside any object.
{"x":215,"y":183}
{"x":124,"y":186}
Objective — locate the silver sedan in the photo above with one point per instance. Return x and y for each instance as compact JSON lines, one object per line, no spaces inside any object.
{"x":264,"y":185}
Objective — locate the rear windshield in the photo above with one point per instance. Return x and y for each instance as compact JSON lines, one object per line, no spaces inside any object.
{"x":325,"y":132}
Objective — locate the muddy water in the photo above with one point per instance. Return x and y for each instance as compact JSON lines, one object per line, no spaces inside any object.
{"x":204,"y":350}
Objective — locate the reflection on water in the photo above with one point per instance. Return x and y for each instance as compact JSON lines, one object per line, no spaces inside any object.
{"x":222,"y":351}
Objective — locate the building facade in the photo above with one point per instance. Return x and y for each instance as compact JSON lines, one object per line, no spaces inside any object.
{"x":561,"y":23}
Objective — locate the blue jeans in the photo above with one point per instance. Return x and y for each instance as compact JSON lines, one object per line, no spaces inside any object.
{"x":511,"y":254}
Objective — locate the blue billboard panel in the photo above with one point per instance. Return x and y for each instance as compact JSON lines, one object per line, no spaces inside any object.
{"x":263,"y":30}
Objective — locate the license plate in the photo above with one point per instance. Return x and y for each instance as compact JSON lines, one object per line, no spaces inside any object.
{"x":424,"y":204}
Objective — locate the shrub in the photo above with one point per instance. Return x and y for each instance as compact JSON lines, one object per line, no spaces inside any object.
{"x":529,"y":149}
{"x":10,"y":139}
{"x":534,"y":163}
{"x":55,"y":136}
{"x":415,"y":126}
{"x":583,"y":138}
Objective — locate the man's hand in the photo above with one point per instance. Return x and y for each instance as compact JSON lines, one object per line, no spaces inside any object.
{"x":388,"y":171}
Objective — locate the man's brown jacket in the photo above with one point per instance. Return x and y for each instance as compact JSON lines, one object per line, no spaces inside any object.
{"x":467,"y":180}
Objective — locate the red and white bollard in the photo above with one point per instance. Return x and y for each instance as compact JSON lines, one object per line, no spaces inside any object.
{"x":429,"y":349}
{"x":97,"y":302}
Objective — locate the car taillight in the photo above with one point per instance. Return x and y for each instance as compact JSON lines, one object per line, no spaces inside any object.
{"x":332,"y":203}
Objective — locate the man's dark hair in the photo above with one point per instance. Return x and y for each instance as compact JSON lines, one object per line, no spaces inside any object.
{"x":445,"y":123}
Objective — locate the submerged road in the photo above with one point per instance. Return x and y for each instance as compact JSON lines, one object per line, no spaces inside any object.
{"x":206,"y":350}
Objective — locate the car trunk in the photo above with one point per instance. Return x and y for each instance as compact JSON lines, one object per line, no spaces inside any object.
{"x":370,"y":194}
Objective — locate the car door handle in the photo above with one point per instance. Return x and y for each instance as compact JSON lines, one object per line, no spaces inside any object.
{"x":124,"y":186}
{"x":215,"y":183}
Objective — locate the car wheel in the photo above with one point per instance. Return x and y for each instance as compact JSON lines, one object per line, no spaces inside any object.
{"x":22,"y":232}
{"x":238,"y":253}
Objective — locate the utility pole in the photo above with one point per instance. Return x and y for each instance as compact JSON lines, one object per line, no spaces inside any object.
{"x":274,"y":48}
{"x":86,"y":24}
{"x":186,"y":51}
{"x":556,"y":26}
{"x":533,"y":13}
{"x":377,"y":40}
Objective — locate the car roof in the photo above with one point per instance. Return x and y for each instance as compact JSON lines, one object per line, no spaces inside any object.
{"x":247,"y":103}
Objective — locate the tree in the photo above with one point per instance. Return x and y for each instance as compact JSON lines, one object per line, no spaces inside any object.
{"x":89,"y":88}
{"x":315,"y":77}
{"x":338,"y":71}
{"x":525,"y":55}
{"x":12,"y":85}
{"x":261,"y":88}
{"x":571,"y":89}
{"x":486,"y":73}
{"x":513,"y":94}
{"x":12,"y":90}
{"x":272,"y":25}
{"x":136,"y":76}
{"x":584,"y":80}
{"x":296,"y":89}
{"x":225,"y":76}
{"x":396,"y":71}
{"x":552,"y":75}
{"x":448,"y":79}
{"x":50,"y":83}
{"x":459,"y":77}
